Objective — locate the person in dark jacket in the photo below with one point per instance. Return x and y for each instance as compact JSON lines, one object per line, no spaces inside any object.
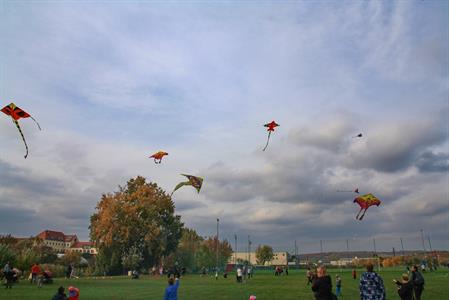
{"x":322,"y":285}
{"x":405,"y":288}
{"x":60,"y":295}
{"x":418,"y":282}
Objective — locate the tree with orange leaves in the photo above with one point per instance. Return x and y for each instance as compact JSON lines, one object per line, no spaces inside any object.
{"x":134,"y":227}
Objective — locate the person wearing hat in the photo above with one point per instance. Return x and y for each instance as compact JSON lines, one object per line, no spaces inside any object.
{"x":74,"y":293}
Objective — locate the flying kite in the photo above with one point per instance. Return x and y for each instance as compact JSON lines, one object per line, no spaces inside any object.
{"x":358,"y":136}
{"x":16,"y":113}
{"x":194,"y":181}
{"x":158,"y":156}
{"x":365,"y":202}
{"x":354,"y":191}
{"x":271,"y":126}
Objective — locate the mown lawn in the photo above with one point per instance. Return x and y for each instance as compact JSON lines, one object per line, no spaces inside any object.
{"x":264,"y":285}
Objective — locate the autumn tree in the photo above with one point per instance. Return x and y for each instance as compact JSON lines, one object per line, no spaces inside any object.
{"x":134,"y":227}
{"x":264,"y":253}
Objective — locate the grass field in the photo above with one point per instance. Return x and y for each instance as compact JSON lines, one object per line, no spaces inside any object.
{"x":264,"y":285}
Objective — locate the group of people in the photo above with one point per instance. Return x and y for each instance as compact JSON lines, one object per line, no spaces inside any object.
{"x":410,"y":287}
{"x":278,"y":270}
{"x":74,"y":294}
{"x":242,"y":273}
{"x":40,"y":276}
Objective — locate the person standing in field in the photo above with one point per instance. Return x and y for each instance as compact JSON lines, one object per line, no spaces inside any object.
{"x":322,"y":285}
{"x":417,"y":280}
{"x":171,"y":292}
{"x":354,"y":274}
{"x":35,"y":272}
{"x":371,"y":285}
{"x":9,"y":274}
{"x":309,"y":276}
{"x":338,"y":285}
{"x":239,"y":274}
{"x":405,"y":287}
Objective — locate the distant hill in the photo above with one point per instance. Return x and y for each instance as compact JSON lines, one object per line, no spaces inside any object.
{"x":329,"y":256}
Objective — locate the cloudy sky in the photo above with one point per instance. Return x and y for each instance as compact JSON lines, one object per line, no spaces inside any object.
{"x":113,"y":82}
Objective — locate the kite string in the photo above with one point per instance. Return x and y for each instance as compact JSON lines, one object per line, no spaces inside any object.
{"x":38,"y":126}
{"x":23,"y":138}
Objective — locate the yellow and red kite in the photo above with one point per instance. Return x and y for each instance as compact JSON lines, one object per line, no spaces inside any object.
{"x":365,"y":202}
{"x":158,"y":156}
{"x":16,"y":113}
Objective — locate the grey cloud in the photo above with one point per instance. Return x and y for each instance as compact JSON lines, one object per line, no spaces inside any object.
{"x":183,"y":205}
{"x":329,"y":136}
{"x":394,"y":147}
{"x":12,"y":177}
{"x":432,"y":162}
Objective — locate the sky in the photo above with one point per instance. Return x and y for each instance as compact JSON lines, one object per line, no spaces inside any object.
{"x":112,"y":82}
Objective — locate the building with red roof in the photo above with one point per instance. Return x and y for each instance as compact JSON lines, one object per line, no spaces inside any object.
{"x":61,"y":242}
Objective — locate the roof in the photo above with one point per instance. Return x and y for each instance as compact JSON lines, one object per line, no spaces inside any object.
{"x":56,"y":236}
{"x":69,"y":238}
{"x":51,"y":235}
{"x":82,"y":244}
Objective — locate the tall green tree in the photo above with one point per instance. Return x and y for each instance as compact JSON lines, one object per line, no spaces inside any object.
{"x":138,"y":219}
{"x":264,"y":253}
{"x":7,"y":255}
{"x":206,"y":255}
{"x":188,"y":245}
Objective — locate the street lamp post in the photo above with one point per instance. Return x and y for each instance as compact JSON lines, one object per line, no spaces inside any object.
{"x":216,"y":268}
{"x":235,"y":249}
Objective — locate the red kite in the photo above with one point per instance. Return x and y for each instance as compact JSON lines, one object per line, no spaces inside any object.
{"x":271,"y":126}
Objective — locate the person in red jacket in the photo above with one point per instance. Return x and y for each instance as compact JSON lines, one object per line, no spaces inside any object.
{"x":35,"y":271}
{"x":74,"y":293}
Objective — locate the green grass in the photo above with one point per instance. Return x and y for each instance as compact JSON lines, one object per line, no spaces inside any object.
{"x":264,"y":285}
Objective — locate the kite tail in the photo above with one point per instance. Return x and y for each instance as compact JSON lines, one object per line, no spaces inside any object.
{"x":268,"y":140}
{"x":38,"y":126}
{"x":23,"y":138}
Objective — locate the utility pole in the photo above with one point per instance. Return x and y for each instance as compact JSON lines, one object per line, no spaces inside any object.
{"x":347,"y":245}
{"x":422,"y":240}
{"x":296,"y":255}
{"x":402,"y":246}
{"x":374,"y":244}
{"x":394,"y":252}
{"x":218,"y":243}
{"x":249,"y":250}
{"x":321,"y":247}
{"x":235,"y":249}
{"x":430,"y":244}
